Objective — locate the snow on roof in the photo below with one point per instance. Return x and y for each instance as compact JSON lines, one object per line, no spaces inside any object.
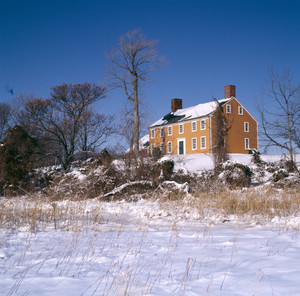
{"x":144,"y":141}
{"x":197,"y":111}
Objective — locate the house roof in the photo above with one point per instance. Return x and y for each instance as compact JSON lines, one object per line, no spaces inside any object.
{"x":200,"y":110}
{"x":144,"y":142}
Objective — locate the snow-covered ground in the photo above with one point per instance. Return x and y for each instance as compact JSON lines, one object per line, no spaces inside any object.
{"x":146,"y":247}
{"x":199,"y":162}
{"x":204,"y":262}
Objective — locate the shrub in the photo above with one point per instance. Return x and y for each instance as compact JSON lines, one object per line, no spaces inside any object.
{"x":16,"y":155}
{"x":105,"y":157}
{"x":234,"y":174}
{"x":290,"y":165}
{"x":167,"y":169}
{"x":256,"y":157}
{"x":156,"y":153}
{"x":280,"y":175}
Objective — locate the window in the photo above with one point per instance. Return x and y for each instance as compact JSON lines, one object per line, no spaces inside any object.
{"x":194,"y":143}
{"x":162,"y":147}
{"x":181,"y":128}
{"x":240,"y":110}
{"x":169,"y":147}
{"x":152,"y":147}
{"x":152,"y":133}
{"x":194,"y":126}
{"x":228,"y":108}
{"x":162,"y":132}
{"x":246,"y":126}
{"x":203,"y":142}
{"x":247,"y":144}
{"x":169,"y":130}
{"x":203,"y":124}
{"x":181,"y":146}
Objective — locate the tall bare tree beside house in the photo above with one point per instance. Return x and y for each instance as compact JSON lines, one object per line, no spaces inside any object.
{"x":279,"y":112}
{"x":129,"y":67}
{"x":126,"y":127}
{"x":220,"y":132}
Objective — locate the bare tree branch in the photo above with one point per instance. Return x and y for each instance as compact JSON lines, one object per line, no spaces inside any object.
{"x":62,"y":121}
{"x":280,"y":112}
{"x":129,"y":65}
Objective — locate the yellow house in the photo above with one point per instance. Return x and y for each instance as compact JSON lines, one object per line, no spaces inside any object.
{"x":192,"y":130}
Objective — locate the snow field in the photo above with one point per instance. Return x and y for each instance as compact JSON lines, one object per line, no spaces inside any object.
{"x":206,"y":262}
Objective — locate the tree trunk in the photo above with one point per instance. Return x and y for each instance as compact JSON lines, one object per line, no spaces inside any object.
{"x":136,"y":118}
{"x":291,"y":149}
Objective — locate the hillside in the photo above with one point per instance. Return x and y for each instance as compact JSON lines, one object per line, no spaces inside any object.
{"x":107,"y":228}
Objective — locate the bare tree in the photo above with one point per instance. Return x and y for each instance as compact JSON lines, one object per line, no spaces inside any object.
{"x":129,"y":67}
{"x":60,"y":121}
{"x":94,"y":131}
{"x":220,"y":132}
{"x":5,"y":116}
{"x":126,"y":128}
{"x":280,"y":113}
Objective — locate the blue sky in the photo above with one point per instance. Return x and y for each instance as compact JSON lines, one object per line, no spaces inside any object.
{"x":208,"y":44}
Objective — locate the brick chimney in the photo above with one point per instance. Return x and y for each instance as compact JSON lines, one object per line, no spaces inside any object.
{"x":176,"y":104}
{"x":229,"y":91}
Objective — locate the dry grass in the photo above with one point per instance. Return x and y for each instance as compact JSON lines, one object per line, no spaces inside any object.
{"x":254,"y":205}
{"x":257,"y":205}
{"x":267,"y":203}
{"x":39,"y":215}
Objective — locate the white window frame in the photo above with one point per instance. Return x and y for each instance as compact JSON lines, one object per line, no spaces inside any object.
{"x":240,"y":110}
{"x":162,"y":147}
{"x":203,"y":122}
{"x":152,"y":133}
{"x":194,"y":143}
{"x":169,"y":146}
{"x":169,"y":130}
{"x":181,"y":127}
{"x":162,"y":132}
{"x":201,"y":144}
{"x":194,"y":126}
{"x":246,"y":127}
{"x":247,"y":144}
{"x":228,"y":108}
{"x":152,"y":147}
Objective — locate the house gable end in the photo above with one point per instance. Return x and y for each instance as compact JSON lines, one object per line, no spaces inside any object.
{"x":245,"y":110}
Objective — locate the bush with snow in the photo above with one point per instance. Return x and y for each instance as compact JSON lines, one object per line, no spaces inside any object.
{"x":234,"y":174}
